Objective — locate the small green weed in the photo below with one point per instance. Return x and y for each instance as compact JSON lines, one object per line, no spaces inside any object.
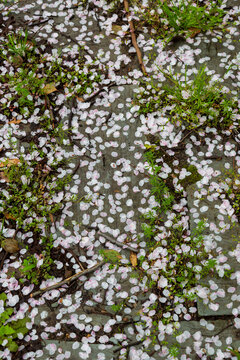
{"x":159,"y":189}
{"x":9,"y":330}
{"x":27,"y":86}
{"x":235,"y":353}
{"x":117,"y":307}
{"x":18,"y":44}
{"x":174,"y":350}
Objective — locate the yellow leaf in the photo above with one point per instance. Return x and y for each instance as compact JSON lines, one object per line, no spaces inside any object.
{"x":10,"y":245}
{"x":116,"y":29}
{"x":49,"y":88}
{"x":133,"y":259}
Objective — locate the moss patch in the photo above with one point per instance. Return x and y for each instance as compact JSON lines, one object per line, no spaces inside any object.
{"x":191,"y":179}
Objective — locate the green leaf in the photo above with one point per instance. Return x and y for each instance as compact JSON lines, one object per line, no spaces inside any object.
{"x":3,"y":296}
{"x":6,"y":330}
{"x":4,"y":316}
{"x":12,"y":346}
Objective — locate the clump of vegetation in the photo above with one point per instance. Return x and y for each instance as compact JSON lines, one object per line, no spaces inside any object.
{"x":35,"y":267}
{"x":28,"y":195}
{"x":175,"y":260}
{"x":32,"y":195}
{"x":195,"y":103}
{"x":159,"y":189}
{"x":10,"y":329}
{"x":169,"y":19}
{"x":36,"y":76}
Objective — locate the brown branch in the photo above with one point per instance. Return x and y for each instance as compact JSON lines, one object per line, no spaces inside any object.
{"x":118,"y":243}
{"x":71,"y":278}
{"x":134,"y":40}
{"x":74,"y":256}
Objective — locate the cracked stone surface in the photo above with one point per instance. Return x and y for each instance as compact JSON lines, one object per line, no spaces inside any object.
{"x":111,"y":173}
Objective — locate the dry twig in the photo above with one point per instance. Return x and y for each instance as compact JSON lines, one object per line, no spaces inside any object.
{"x":134,"y":40}
{"x":109,"y":238}
{"x":66,"y":281}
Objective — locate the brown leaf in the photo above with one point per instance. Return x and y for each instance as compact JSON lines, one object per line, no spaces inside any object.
{"x":80,"y":99}
{"x":51,"y":218}
{"x":10,"y":245}
{"x":133,"y":259}
{"x":68,"y":273}
{"x":12,"y":271}
{"x":9,"y":162}
{"x":49,"y":88}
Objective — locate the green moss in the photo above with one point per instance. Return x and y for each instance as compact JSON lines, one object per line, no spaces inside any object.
{"x":191,"y":179}
{"x":111,"y":256}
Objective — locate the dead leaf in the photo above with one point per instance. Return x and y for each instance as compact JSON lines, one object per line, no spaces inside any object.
{"x":51,"y":218}
{"x":111,"y":256}
{"x":49,"y":88}
{"x":116,"y":29}
{"x":16,"y":60}
{"x":3,"y":176}
{"x":9,"y":162}
{"x":68,"y":273}
{"x":133,"y":259}
{"x":10,"y":245}
{"x":14,"y":121}
{"x":9,"y":216}
{"x":194,"y":32}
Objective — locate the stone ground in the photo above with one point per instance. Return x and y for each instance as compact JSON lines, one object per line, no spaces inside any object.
{"x":119,"y":191}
